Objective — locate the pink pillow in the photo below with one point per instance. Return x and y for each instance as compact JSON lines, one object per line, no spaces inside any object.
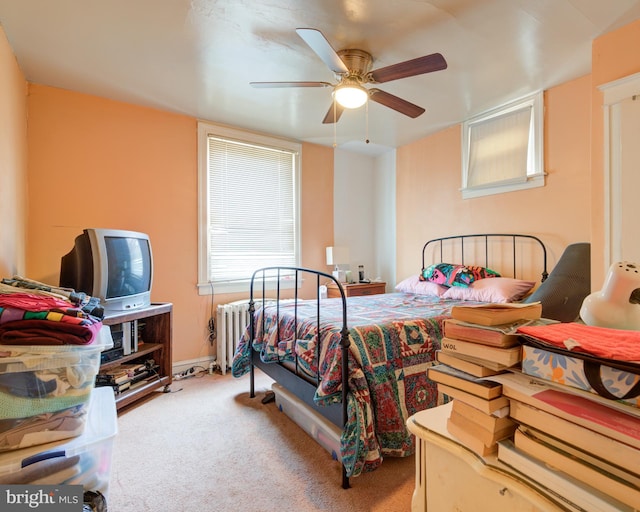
{"x":496,"y":289}
{"x":414,"y":285}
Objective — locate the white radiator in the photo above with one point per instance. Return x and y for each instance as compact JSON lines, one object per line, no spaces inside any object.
{"x":232,"y":321}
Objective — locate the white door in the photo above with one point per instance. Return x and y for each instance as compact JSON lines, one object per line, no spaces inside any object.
{"x":622,"y":170}
{"x":629,"y":241}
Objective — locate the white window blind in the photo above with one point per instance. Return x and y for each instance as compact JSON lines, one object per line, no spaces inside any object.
{"x":251,"y":208}
{"x":502,"y":149}
{"x":499,"y":148}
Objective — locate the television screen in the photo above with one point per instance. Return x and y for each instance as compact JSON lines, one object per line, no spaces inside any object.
{"x":129,"y":266}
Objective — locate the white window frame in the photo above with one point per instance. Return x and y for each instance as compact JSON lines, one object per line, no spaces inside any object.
{"x":205,"y":129}
{"x":535,"y":175}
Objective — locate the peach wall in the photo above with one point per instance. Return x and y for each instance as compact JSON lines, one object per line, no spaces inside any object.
{"x":101,"y":163}
{"x":614,"y":56}
{"x":94,"y":162}
{"x":429,"y":203}
{"x":317,"y":208}
{"x":13,"y":162}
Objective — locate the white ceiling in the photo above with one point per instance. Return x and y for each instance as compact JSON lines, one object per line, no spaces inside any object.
{"x":197,"y":57}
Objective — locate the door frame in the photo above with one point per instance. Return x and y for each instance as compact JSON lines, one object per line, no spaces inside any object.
{"x":614,"y":93}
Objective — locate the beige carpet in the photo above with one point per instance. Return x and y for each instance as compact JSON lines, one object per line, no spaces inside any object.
{"x":208,"y":446}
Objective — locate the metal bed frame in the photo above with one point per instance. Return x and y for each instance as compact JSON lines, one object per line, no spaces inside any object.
{"x":485,"y":238}
{"x":291,"y":378}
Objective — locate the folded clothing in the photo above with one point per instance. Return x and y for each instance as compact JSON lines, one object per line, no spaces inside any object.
{"x":88,"y":304}
{"x":15,"y":407}
{"x":42,"y":428}
{"x":65,"y":315}
{"x":32,"y":301}
{"x":45,"y":332}
{"x":616,"y":344}
{"x":27,"y":384}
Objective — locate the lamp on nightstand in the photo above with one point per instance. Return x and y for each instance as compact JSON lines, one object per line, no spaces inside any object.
{"x":338,"y":257}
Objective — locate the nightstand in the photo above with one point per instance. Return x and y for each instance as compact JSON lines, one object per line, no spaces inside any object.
{"x":356,"y":289}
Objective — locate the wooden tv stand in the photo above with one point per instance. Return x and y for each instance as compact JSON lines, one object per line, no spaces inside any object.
{"x":156,"y":334}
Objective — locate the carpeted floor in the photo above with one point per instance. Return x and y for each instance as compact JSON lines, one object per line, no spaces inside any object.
{"x":208,"y":446}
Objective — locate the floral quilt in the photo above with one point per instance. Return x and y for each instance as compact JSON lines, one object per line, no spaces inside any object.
{"x":393,"y":339}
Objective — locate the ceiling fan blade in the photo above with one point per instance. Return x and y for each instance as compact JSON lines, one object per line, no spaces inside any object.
{"x":413,"y":67}
{"x":397,"y":104}
{"x":333,"y":114}
{"x":323,"y":49}
{"x":270,"y":85}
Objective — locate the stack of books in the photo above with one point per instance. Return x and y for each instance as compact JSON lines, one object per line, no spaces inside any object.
{"x":127,"y":376}
{"x":574,"y":443}
{"x":479,"y":413}
{"x":486,"y":334}
{"x":480,"y":342}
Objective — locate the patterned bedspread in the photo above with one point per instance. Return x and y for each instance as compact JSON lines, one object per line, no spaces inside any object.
{"x":393,"y":338}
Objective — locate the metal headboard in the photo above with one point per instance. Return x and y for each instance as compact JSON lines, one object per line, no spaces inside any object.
{"x":486,"y":238}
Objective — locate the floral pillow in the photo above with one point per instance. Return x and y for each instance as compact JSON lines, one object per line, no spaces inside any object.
{"x":448,"y":274}
{"x":414,"y":284}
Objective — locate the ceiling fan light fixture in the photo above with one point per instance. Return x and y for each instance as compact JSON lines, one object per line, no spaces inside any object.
{"x":351,"y":95}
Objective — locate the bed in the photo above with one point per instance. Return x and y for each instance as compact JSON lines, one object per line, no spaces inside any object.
{"x":388,"y":340}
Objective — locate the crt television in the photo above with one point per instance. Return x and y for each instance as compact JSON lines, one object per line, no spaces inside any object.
{"x":113,"y":265}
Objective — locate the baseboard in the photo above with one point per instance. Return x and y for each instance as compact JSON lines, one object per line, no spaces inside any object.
{"x":203,"y":362}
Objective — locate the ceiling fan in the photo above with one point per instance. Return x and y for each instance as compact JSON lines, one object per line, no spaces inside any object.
{"x":352,"y":70}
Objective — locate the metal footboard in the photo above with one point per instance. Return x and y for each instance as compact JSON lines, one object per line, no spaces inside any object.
{"x":276,"y":284}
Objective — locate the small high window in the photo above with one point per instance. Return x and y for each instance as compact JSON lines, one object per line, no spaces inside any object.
{"x":502,"y":150}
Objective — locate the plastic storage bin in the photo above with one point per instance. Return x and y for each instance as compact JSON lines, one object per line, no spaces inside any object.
{"x":322,"y":430}
{"x":84,"y":460}
{"x":45,"y":391}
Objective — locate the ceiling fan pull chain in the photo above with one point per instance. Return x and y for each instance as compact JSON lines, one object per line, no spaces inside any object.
{"x":366,"y":114}
{"x":335,"y":126}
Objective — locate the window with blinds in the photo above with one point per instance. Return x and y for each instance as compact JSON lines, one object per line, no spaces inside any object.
{"x":249,"y":199}
{"x":502,"y":149}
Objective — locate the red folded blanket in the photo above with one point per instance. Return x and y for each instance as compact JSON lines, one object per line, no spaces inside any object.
{"x":45,"y":332}
{"x":618,"y":344}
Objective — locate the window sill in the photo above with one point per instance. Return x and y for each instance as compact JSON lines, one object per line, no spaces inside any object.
{"x":532,"y":182}
{"x":242,"y":286}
